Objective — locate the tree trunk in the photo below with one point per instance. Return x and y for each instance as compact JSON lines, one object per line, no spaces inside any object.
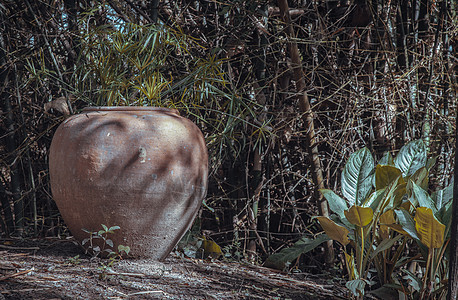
{"x":453,"y":266}
{"x":304,"y":105}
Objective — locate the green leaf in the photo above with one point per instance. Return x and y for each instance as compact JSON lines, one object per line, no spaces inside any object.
{"x":356,"y":180}
{"x":385,"y":244}
{"x":105,"y":227}
{"x":357,"y":287}
{"x":336,"y":203}
{"x":387,"y":159}
{"x":430,"y":163}
{"x":279,"y":260}
{"x":373,"y":201}
{"x":122,"y":248}
{"x":411,"y":157}
{"x":109,"y":243}
{"x":442,"y":197}
{"x":420,"y":177}
{"x":413,"y":280}
{"x":421,"y":197}
{"x":113,"y":228}
{"x":444,"y":215}
{"x":407,"y":223}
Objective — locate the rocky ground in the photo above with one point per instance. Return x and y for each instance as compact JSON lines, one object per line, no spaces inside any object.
{"x":57,"y":269}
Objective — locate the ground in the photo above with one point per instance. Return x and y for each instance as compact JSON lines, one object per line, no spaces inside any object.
{"x":51,"y":269}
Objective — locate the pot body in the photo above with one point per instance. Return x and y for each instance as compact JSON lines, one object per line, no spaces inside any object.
{"x":140,"y":168}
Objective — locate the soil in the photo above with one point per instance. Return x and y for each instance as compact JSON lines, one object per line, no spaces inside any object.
{"x":58,"y":269}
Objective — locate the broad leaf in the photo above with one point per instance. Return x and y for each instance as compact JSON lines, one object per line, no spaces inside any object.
{"x":387,"y":218}
{"x":109,"y":242}
{"x":444,"y":215}
{"x":431,"y":162}
{"x":335,"y":232}
{"x":356,"y":180}
{"x":413,"y":280}
{"x":281,"y":259}
{"x":122,"y":248}
{"x":387,"y":159}
{"x":392,"y":194}
{"x":429,"y":229}
{"x":351,"y":268}
{"x":384,"y":175}
{"x":385,"y":244}
{"x":357,"y":287}
{"x":421,"y":197}
{"x":398,"y":194}
{"x":399,"y":229}
{"x":420,"y":177}
{"x":411,"y":157}
{"x":407,"y":223}
{"x":444,"y":196}
{"x":373,"y":201}
{"x":359,"y":216}
{"x":336,"y":203}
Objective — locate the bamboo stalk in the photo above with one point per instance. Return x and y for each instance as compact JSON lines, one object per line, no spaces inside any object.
{"x":304,"y":105}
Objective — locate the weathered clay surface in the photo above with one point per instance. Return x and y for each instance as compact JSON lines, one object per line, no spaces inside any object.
{"x":143,"y":169}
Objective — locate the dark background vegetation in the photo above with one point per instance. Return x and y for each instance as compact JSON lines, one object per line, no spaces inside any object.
{"x":377,"y":74}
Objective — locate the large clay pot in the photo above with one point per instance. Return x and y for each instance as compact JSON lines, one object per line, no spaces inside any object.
{"x":141,"y":168}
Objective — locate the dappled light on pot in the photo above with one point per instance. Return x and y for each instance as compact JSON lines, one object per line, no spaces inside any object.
{"x":143,"y":169}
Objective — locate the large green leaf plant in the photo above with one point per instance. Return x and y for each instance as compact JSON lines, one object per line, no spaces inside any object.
{"x":382,"y":209}
{"x":389,"y":227}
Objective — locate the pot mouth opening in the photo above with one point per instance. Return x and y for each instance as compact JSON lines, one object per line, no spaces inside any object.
{"x":130,"y":108}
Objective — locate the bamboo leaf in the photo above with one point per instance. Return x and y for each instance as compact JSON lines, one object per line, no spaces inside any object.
{"x":356,"y":180}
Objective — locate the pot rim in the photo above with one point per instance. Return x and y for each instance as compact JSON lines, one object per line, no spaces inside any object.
{"x":130,"y":108}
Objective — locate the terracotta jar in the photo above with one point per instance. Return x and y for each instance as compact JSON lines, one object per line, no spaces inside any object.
{"x":143,"y":169}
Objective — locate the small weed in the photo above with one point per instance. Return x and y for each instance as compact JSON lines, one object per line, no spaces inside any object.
{"x":74,"y":260}
{"x":107,"y":247}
